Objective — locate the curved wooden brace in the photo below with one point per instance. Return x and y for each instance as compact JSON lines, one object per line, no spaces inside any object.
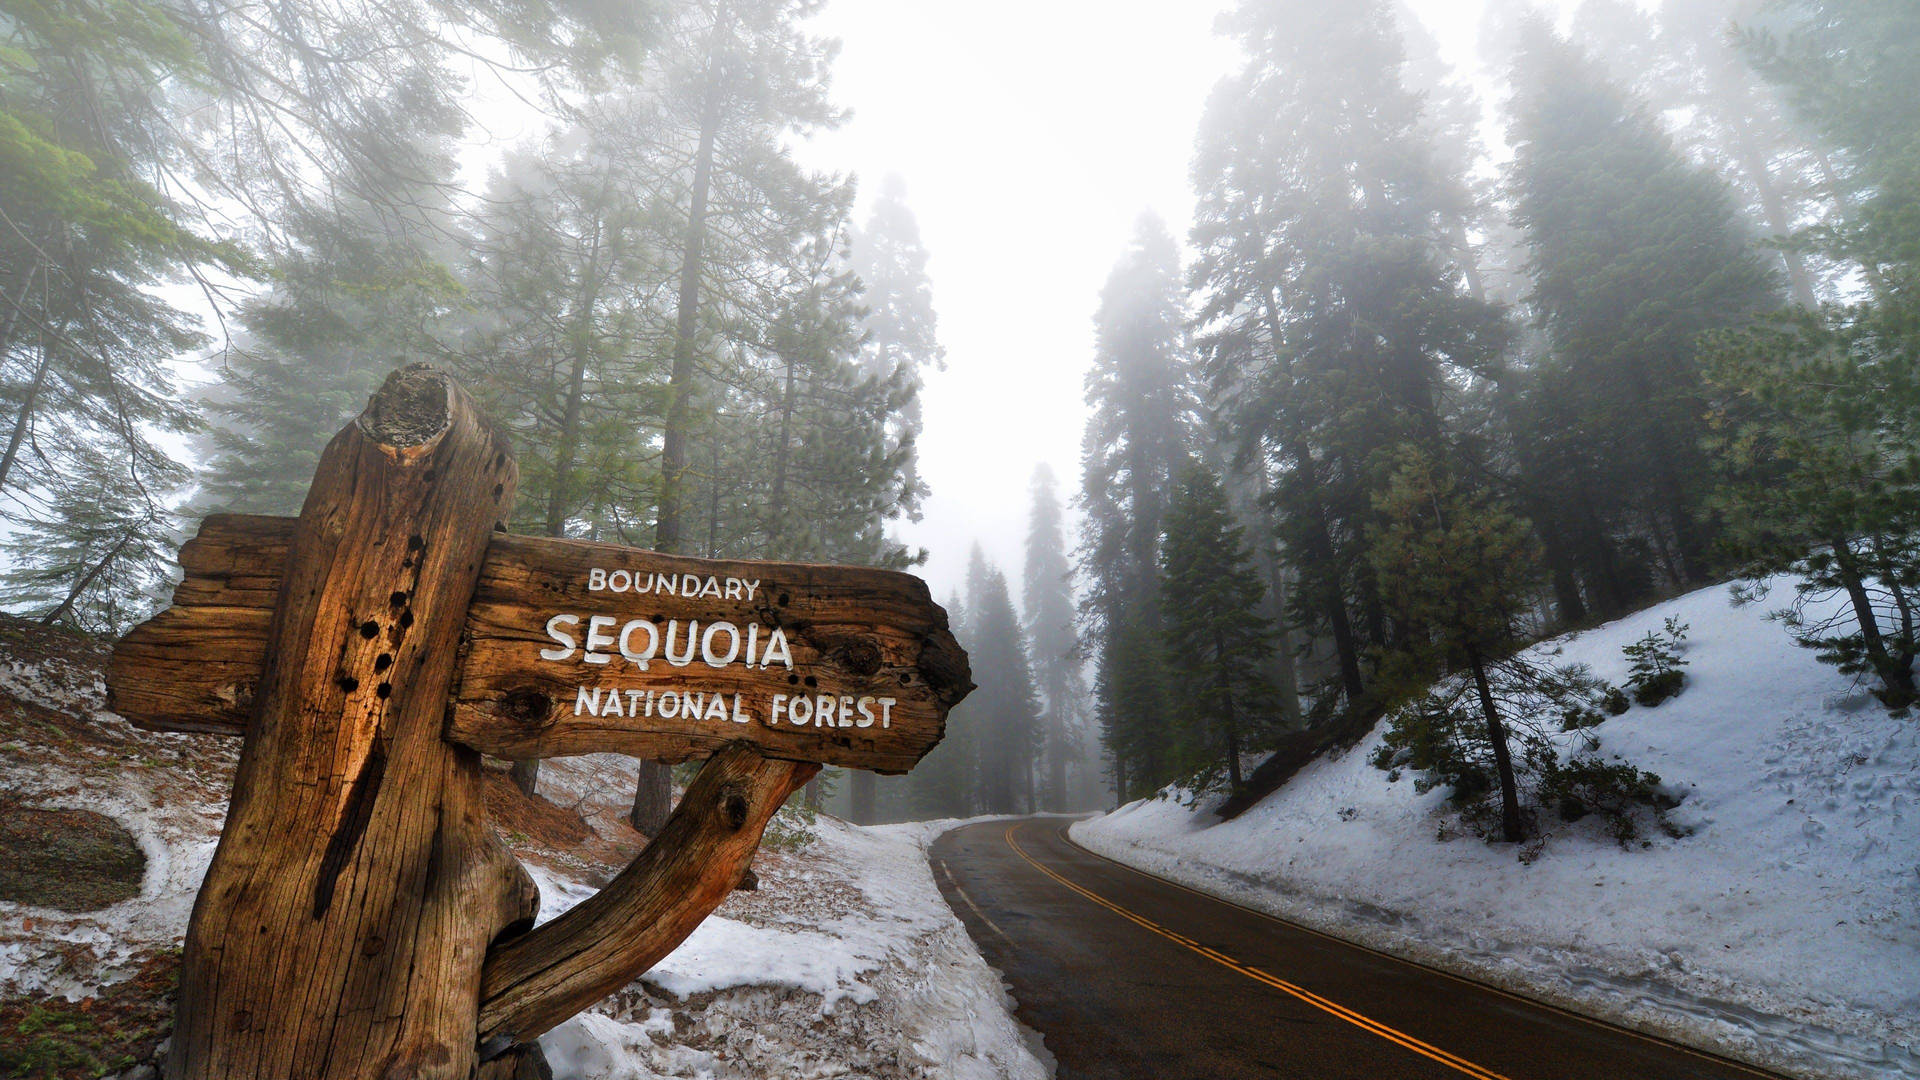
{"x":535,"y":981}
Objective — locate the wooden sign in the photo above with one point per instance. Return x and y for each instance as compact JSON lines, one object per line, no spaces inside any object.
{"x":359,"y":917}
{"x":572,"y":647}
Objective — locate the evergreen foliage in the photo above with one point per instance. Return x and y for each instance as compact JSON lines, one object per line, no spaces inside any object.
{"x":1456,"y":561}
{"x":1654,"y":664}
{"x":1335,"y":324}
{"x":1217,"y":640}
{"x":1634,"y":254}
{"x":1141,"y":417}
{"x":1048,"y":607}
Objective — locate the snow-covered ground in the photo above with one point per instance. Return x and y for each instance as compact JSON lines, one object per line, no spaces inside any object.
{"x":845,"y":962}
{"x":1784,"y":929}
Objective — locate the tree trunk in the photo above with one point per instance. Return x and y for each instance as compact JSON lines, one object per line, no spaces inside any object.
{"x":22,"y":420}
{"x":357,"y":884}
{"x":1897,"y":677}
{"x":86,"y":579}
{"x":652,"y":799}
{"x":526,"y":773}
{"x":1056,"y":750}
{"x":1223,"y":682}
{"x":860,"y":794}
{"x":1511,"y":825}
{"x":1319,"y":539}
{"x":653,"y":792}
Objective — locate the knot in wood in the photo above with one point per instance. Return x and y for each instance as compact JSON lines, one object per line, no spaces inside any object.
{"x":734,"y":806}
{"x":860,"y":656}
{"x":526,"y":706}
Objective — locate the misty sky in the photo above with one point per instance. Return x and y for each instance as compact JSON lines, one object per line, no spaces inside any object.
{"x":1031,"y":134}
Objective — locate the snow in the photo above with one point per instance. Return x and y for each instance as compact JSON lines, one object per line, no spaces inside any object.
{"x":174,"y":814}
{"x":859,"y":944}
{"x":1784,"y":929}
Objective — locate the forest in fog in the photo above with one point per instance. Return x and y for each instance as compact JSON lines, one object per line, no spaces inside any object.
{"x":1442,"y":367}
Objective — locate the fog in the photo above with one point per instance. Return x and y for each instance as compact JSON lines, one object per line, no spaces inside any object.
{"x":1030,"y":136}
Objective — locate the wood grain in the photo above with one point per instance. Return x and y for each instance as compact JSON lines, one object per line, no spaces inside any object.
{"x":343,"y":921}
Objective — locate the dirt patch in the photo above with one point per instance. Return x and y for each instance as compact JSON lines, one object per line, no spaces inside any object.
{"x":71,"y":860}
{"x":30,"y":643}
{"x":43,"y":1038}
{"x":526,"y":817}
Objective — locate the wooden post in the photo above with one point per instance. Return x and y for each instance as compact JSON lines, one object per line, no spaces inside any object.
{"x":343,"y":921}
{"x":359,"y":918}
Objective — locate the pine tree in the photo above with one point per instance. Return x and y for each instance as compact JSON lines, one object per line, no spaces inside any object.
{"x":737,"y":79}
{"x":1335,"y":323}
{"x":1818,"y":436}
{"x":1142,"y":408}
{"x":1634,"y":254}
{"x":1217,"y":639}
{"x":89,"y":237}
{"x":1047,"y":603}
{"x":1005,"y":707}
{"x":1818,"y":414}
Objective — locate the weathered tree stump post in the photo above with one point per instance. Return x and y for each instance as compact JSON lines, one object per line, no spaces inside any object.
{"x":343,"y":921}
{"x":359,"y":918}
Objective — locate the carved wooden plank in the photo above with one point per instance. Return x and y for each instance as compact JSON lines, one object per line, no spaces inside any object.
{"x":344,"y":919}
{"x":873,"y":667}
{"x":537,"y":980}
{"x":842,"y":665}
{"x":196,"y":665}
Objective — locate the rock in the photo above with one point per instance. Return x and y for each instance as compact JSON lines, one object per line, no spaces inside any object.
{"x":73,"y":860}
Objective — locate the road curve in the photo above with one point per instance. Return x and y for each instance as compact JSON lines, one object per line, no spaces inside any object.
{"x":1126,"y":975}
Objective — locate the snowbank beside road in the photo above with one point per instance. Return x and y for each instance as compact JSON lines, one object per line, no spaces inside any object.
{"x":851,"y":965}
{"x":1785,"y":929}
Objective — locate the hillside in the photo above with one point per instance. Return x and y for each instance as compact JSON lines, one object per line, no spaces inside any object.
{"x":1782,"y":928}
{"x":844,"y":959}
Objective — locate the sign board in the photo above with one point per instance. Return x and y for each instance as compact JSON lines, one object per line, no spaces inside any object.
{"x":573,"y":647}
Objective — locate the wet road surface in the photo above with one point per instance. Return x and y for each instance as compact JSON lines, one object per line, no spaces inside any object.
{"x":1128,"y":976}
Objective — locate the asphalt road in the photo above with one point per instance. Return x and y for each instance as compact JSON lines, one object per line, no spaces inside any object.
{"x":1128,"y":976}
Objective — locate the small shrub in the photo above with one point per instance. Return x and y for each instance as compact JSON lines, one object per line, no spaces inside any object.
{"x":791,"y":828}
{"x":1654,"y":663}
{"x":1619,"y":793}
{"x":1616,"y":701}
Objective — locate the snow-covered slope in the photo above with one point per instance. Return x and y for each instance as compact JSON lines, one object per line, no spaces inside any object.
{"x":1785,"y":929}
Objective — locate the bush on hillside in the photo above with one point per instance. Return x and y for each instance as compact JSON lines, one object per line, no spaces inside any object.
{"x":1654,"y":664}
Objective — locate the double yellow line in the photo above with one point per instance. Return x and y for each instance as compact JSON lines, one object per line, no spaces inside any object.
{"x":1399,"y":1038}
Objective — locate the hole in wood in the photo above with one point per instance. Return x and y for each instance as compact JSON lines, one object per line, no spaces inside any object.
{"x":406,"y":619}
{"x":368,"y":629}
{"x":785,"y":599}
{"x":348,"y":683}
{"x":382,"y":662}
{"x":414,"y":543}
{"x":398,"y":599}
{"x":385,"y":690}
{"x":526,"y":705}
